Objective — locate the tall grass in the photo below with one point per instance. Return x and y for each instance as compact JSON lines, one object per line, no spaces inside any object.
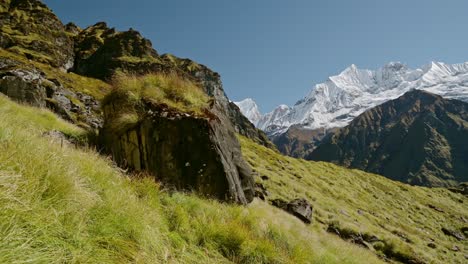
{"x":170,"y":89}
{"x":60,"y":204}
{"x":367,"y":204}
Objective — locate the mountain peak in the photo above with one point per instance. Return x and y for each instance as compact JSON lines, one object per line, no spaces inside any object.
{"x":337,"y":101}
{"x":247,"y":101}
{"x":350,"y":70}
{"x":250,"y":110}
{"x":395,"y":66}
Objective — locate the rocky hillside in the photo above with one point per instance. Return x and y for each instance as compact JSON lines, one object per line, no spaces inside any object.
{"x":29,"y":28}
{"x":299,"y":142}
{"x":65,"y":204}
{"x":113,"y":153}
{"x":398,"y":222}
{"x":76,"y":206}
{"x":40,"y":50}
{"x":419,"y":138}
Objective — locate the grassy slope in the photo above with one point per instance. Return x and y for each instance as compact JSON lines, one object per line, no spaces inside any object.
{"x":61,"y":204}
{"x":367,"y":203}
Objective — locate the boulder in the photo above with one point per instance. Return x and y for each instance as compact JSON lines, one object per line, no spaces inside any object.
{"x":432,"y":245}
{"x":260,"y":191}
{"x":455,"y":248}
{"x":300,"y":208}
{"x":453,"y":233}
{"x":24,"y":86}
{"x":183,"y":150}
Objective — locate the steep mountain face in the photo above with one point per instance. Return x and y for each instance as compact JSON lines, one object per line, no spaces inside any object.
{"x":341,"y":98}
{"x":298,"y":142}
{"x":419,"y":138}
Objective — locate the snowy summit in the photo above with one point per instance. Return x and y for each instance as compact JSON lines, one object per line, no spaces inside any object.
{"x":343,"y":97}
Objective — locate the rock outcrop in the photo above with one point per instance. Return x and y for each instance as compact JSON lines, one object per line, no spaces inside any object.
{"x":102,"y":51}
{"x":453,"y":233}
{"x":184,"y":150}
{"x":419,"y":138}
{"x":27,"y":84}
{"x":300,"y":208}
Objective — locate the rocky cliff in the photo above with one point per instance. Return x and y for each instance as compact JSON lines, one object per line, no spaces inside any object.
{"x":419,"y":138}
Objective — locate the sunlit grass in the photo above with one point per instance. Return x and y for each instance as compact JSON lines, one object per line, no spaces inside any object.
{"x":367,"y":204}
{"x":61,"y":204}
{"x":170,"y":89}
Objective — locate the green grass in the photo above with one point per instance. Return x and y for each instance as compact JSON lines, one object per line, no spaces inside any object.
{"x":176,"y":92}
{"x":185,"y":64}
{"x":359,"y":202}
{"x":133,"y":59}
{"x":61,"y":204}
{"x":42,"y":119}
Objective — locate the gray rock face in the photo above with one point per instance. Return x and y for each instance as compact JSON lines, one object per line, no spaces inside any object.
{"x":27,"y":84}
{"x":24,"y":86}
{"x":182,"y":150}
{"x":301,"y":209}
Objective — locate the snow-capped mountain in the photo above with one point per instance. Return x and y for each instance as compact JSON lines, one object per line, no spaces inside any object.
{"x":250,"y":110}
{"x":341,"y":98}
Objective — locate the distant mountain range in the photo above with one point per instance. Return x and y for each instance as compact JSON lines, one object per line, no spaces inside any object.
{"x":419,"y":138}
{"x":341,"y":98}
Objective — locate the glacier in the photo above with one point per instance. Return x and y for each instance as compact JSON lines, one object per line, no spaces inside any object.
{"x":341,"y":98}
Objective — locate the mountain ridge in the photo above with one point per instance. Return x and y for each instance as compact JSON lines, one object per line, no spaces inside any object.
{"x":335,"y":102}
{"x":419,"y":138}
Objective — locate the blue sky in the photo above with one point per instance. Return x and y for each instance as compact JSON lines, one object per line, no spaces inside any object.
{"x":274,"y":51}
